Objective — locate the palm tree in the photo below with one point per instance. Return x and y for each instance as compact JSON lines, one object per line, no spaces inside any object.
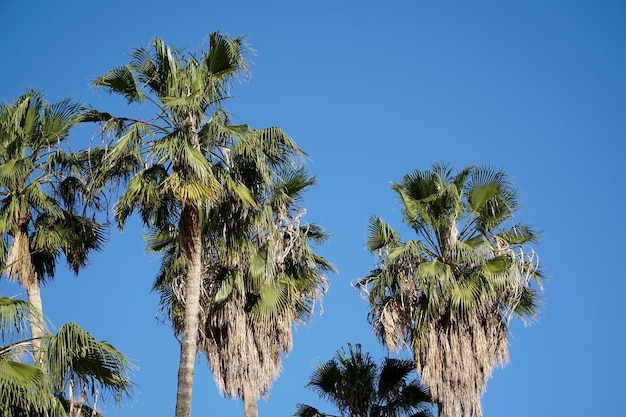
{"x":273,"y":285}
{"x":450,"y":294}
{"x":75,"y":369}
{"x":360,"y":388}
{"x":42,"y":189}
{"x":174,"y":162}
{"x":261,"y":277}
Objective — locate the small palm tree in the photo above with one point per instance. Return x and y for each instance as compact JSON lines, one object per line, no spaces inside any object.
{"x":43,"y":188}
{"x":360,"y":388}
{"x":177,"y":163}
{"x":75,"y":369}
{"x":450,"y":294}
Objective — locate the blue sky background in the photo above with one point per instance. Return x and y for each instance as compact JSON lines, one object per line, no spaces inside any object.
{"x":373,"y":90}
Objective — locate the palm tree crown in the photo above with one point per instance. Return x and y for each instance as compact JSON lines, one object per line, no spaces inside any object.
{"x":450,"y":293}
{"x":44,"y":193}
{"x":360,"y":388}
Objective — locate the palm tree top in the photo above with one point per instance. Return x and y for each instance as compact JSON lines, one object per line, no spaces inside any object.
{"x":178,"y":81}
{"x":359,"y":387}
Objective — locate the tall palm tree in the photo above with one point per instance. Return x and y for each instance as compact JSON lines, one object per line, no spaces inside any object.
{"x":173,"y":162}
{"x":360,"y":388}
{"x":450,"y":294}
{"x":75,"y":369}
{"x":43,"y":191}
{"x":261,"y":277}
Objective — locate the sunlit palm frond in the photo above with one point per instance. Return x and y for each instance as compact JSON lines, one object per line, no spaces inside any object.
{"x":15,"y":171}
{"x":226,"y":57}
{"x":121,"y":81}
{"x":75,"y":355}
{"x":14,"y":315}
{"x":380,"y":235}
{"x":23,"y":389}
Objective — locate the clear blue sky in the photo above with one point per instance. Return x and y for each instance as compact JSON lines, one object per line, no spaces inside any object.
{"x":372,"y":90}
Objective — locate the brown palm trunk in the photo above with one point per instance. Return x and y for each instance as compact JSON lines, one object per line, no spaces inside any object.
{"x":191,"y":246}
{"x":33,"y":291}
{"x":20,"y":267}
{"x":250,"y":405}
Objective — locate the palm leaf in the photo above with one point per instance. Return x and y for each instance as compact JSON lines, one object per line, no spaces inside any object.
{"x":74,"y":354}
{"x":121,"y":81}
{"x":380,"y":235}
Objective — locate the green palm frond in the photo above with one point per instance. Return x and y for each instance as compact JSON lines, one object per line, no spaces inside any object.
{"x":189,"y":189}
{"x":290,"y":187}
{"x":357,"y":386}
{"x":144,"y":66}
{"x":73,"y":354}
{"x":72,"y":191}
{"x":16,"y":171}
{"x":519,"y":234}
{"x":39,"y":198}
{"x":13,"y":318}
{"x":74,"y":236}
{"x":23,"y":389}
{"x":274,"y":300}
{"x":393,"y":373}
{"x":121,"y":81}
{"x":466,"y":296}
{"x":274,"y":144}
{"x":226,"y":56}
{"x":412,"y":252}
{"x":130,"y":143}
{"x":380,"y":235}
{"x":58,"y":118}
{"x":146,"y":192}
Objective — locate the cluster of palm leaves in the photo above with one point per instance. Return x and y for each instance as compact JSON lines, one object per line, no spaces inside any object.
{"x":62,"y":374}
{"x":450,"y":293}
{"x":358,"y":387}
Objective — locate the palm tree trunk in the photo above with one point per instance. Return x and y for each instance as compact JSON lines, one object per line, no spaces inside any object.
{"x":33,"y":291}
{"x":191,"y":246}
{"x":20,"y":266}
{"x":250,"y":405}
